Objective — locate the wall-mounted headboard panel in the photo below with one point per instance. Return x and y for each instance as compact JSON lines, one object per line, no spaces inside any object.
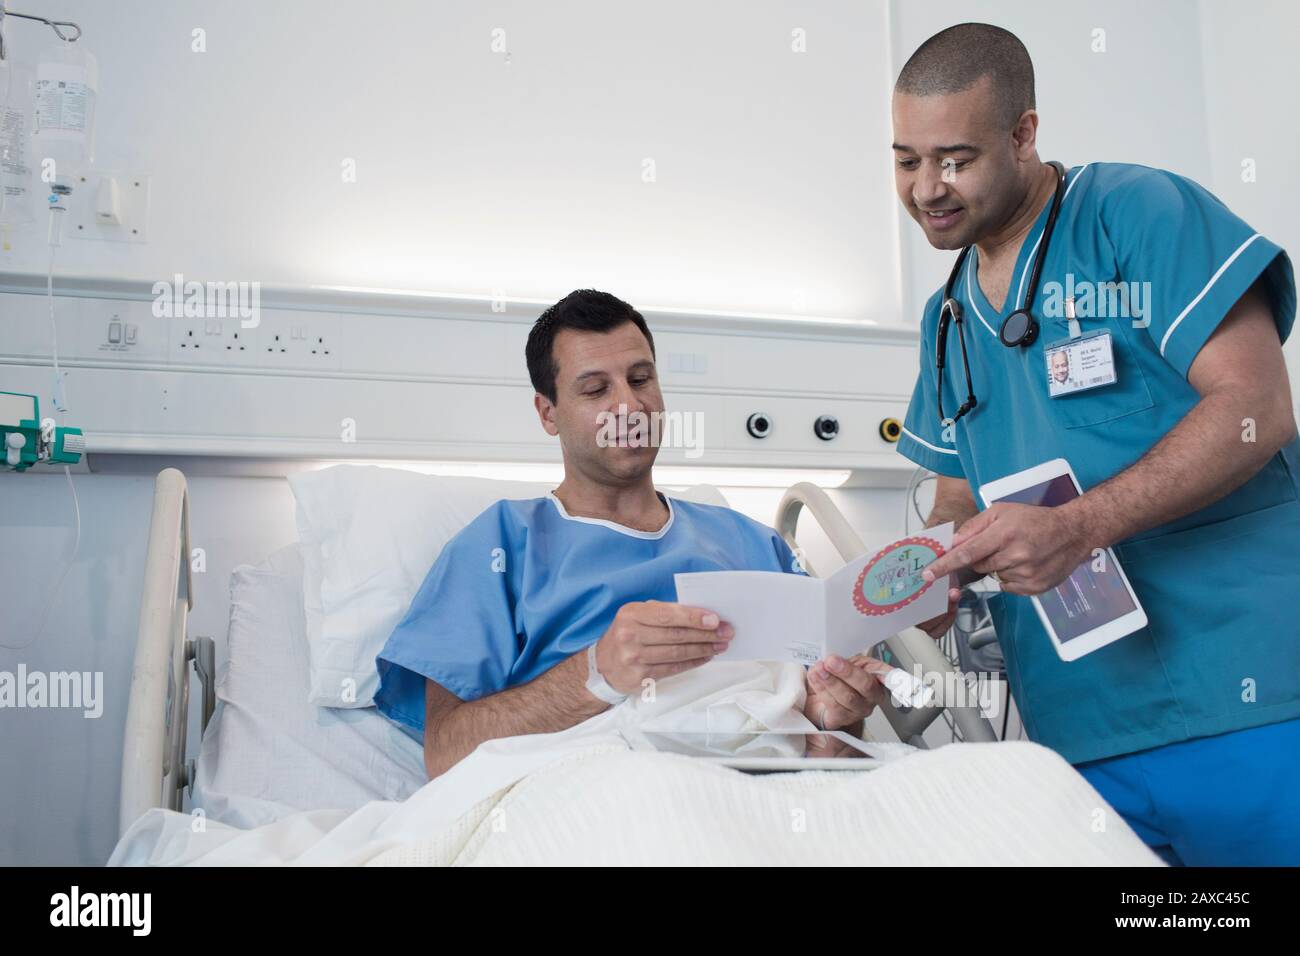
{"x":359,"y":375}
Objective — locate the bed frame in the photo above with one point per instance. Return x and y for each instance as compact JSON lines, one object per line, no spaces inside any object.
{"x":155,"y":765}
{"x":155,"y":769}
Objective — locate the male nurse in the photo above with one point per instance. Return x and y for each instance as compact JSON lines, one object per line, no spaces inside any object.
{"x":1188,"y":456}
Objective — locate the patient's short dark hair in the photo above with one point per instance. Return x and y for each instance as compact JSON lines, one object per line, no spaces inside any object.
{"x":586,"y":310}
{"x":953,"y":60}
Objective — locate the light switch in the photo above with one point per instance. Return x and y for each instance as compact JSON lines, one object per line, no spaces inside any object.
{"x":108,"y":202}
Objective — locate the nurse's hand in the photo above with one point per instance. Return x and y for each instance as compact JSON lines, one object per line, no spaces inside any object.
{"x":652,"y":639}
{"x":1030,"y":548}
{"x":842,"y":691}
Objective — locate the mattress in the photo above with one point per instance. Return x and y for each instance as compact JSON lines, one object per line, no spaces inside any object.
{"x":267,"y":752}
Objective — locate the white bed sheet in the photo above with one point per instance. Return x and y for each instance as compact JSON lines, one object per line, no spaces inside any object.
{"x":580,"y":797}
{"x":267,"y":752}
{"x":287,"y":782}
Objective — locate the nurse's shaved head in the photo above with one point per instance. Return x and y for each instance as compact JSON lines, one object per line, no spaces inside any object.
{"x":955,"y":59}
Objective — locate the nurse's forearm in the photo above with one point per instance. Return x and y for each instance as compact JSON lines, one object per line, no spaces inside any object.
{"x":1243,"y":418}
{"x":553,"y":701}
{"x":1199,"y":461}
{"x":954,"y":502}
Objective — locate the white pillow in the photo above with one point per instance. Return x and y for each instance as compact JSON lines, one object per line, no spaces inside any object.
{"x":368,"y":537}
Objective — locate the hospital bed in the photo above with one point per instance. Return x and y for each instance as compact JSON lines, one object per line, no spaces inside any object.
{"x":267,"y":752}
{"x":265,"y":748}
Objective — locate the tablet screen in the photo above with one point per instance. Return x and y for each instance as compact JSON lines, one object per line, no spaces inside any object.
{"x":763,"y":743}
{"x":1088,"y":598}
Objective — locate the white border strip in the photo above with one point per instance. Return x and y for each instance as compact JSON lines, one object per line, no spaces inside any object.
{"x":1209,"y":285}
{"x":922,"y":441}
{"x":970,"y":294}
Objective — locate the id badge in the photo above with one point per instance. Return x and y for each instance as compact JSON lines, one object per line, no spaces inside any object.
{"x":1074,"y":365}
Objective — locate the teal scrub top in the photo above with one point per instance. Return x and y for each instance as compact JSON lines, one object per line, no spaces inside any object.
{"x":1220,"y":586}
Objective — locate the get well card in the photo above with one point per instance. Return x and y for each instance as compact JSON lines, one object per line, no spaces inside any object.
{"x":791,"y":617}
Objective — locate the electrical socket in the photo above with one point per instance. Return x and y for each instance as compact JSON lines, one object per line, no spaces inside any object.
{"x":210,"y":341}
{"x":298,"y":340}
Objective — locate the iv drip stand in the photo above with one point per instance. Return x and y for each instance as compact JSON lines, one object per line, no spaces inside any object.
{"x":52,"y":24}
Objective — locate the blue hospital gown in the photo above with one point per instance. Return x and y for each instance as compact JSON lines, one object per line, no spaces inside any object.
{"x":525,"y":585}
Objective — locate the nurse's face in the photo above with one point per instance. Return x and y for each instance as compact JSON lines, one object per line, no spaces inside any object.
{"x":958,"y":170}
{"x":1060,"y":366}
{"x":605,"y":386}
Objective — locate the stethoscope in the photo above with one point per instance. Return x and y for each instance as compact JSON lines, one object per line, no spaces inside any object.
{"x":1020,"y":328}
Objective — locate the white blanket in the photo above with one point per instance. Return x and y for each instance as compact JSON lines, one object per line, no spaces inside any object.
{"x":583,"y":796}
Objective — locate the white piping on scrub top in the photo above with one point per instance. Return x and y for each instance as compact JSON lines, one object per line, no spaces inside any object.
{"x":922,"y":441}
{"x":1209,"y":285}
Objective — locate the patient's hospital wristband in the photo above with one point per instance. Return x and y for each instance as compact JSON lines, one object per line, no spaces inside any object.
{"x":597,"y":685}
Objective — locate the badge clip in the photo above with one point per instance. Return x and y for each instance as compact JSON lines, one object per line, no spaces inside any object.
{"x":1075,"y":330}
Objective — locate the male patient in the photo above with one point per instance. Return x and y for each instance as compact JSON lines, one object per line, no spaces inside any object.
{"x":495,"y":642}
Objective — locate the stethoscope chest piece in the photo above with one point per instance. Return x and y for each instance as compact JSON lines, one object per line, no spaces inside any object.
{"x":1019,"y":328}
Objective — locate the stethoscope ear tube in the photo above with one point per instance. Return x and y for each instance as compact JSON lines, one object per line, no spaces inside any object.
{"x":1019,"y":329}
{"x":951,"y":309}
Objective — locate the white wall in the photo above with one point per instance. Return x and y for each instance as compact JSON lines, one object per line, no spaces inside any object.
{"x":478,"y":172}
{"x":1250,"y":81}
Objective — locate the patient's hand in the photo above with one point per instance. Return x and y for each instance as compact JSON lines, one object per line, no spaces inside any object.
{"x":649,"y":640}
{"x":937,"y":627}
{"x":843,"y":691}
{"x":824,"y":745}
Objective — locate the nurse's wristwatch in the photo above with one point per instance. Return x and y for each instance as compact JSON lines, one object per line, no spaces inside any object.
{"x":597,"y":685}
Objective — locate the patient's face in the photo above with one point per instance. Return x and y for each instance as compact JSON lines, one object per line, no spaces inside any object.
{"x":603,"y":380}
{"x":975,"y":189}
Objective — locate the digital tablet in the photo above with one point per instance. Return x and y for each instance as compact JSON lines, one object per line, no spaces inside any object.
{"x":1095,"y":605}
{"x":765,"y":751}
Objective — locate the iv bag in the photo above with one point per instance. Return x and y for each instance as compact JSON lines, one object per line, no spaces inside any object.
{"x":67,"y":83}
{"x":17,"y":183}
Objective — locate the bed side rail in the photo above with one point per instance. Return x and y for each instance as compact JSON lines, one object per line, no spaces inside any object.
{"x":154,"y":767}
{"x":910,"y":646}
